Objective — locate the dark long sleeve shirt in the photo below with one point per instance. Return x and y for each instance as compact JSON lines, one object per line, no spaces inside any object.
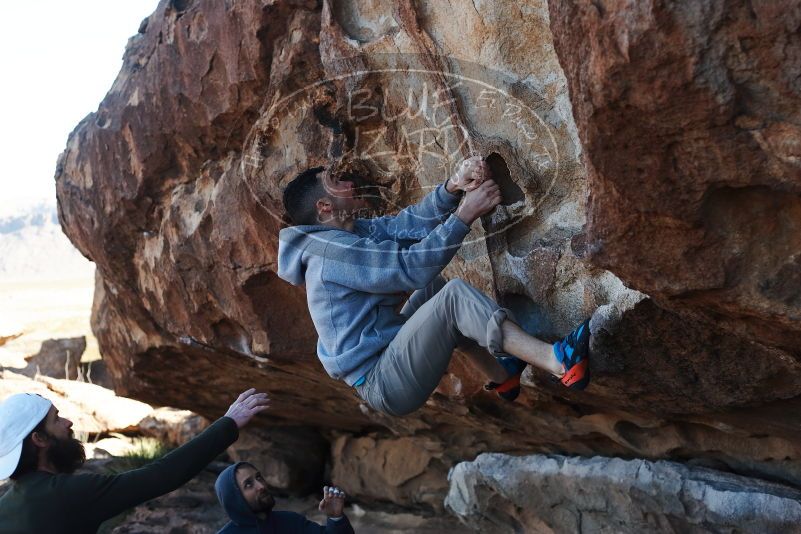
{"x":42,"y":502}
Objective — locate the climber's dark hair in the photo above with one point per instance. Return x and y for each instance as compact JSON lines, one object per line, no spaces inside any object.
{"x":301,"y":196}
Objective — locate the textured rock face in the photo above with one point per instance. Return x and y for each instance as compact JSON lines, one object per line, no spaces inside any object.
{"x":173,"y":188}
{"x":405,"y":471}
{"x":689,"y":116}
{"x":499,"y":493}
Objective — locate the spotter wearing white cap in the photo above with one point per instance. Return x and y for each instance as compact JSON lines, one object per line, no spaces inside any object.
{"x":19,"y":415}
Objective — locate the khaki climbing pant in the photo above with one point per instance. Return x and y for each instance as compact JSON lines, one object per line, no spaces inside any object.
{"x":439,"y":317}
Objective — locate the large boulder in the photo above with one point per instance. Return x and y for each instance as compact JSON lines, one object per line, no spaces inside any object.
{"x":689,"y":116}
{"x":406,"y":471}
{"x":500,"y":493}
{"x":675,"y":120}
{"x":57,"y":358}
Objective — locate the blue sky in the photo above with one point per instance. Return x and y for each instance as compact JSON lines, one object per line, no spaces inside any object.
{"x":58,"y":61}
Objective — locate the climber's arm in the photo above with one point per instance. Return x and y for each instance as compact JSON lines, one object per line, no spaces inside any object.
{"x":417,"y":221}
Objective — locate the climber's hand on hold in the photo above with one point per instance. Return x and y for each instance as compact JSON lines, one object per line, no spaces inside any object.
{"x":480,"y":201}
{"x":470,"y":174}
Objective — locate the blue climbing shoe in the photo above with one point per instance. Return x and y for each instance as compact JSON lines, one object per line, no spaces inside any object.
{"x":573,"y":352}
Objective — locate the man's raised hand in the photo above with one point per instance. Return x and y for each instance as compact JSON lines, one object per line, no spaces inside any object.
{"x":470,"y":174}
{"x":333,"y":501}
{"x":247,"y":405}
{"x":480,"y":201}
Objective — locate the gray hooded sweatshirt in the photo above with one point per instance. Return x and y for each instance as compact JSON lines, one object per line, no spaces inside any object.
{"x":356,"y":280}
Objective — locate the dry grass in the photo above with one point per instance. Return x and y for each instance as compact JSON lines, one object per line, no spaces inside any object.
{"x":145,"y":450}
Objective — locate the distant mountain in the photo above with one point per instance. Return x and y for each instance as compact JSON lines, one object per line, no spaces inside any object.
{"x":32,"y":245}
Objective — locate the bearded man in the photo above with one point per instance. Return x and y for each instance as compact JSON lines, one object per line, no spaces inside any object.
{"x":40,"y":454}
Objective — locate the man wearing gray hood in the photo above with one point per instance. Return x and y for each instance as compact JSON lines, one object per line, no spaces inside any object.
{"x":242,"y":492}
{"x":357,"y":272}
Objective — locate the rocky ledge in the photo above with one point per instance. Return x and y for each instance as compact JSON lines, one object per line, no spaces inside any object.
{"x":539,"y":493}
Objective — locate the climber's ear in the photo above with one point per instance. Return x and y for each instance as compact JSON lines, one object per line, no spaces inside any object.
{"x":324,"y":206}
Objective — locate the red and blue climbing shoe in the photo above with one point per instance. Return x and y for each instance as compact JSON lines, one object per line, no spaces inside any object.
{"x":510,"y":389}
{"x":573,"y":352}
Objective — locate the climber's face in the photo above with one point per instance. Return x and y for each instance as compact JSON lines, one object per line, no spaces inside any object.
{"x":341,"y":199}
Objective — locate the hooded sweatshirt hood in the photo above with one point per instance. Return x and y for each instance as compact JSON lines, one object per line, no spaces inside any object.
{"x":234,"y":503}
{"x":297,"y":244}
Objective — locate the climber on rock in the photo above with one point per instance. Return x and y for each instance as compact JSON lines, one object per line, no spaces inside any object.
{"x":39,"y":453}
{"x":357,"y":271}
{"x":243,"y":494}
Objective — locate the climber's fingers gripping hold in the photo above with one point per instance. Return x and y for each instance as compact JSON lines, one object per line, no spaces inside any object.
{"x":480,"y":201}
{"x":471,"y":173}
